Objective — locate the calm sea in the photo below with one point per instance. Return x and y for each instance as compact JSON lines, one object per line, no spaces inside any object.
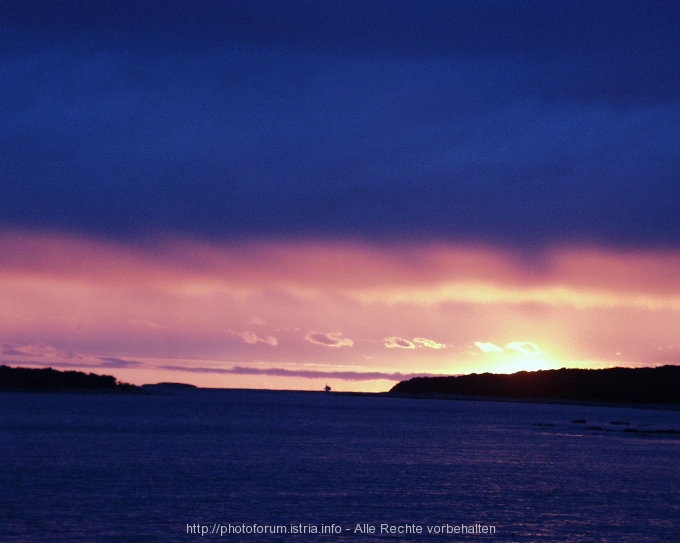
{"x":237,"y":465}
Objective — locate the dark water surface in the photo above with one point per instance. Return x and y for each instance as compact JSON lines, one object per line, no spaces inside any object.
{"x":97,"y":467}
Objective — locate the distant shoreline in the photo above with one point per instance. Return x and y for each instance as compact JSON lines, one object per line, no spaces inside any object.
{"x":649,"y":388}
{"x":51,"y":380}
{"x":635,"y":387}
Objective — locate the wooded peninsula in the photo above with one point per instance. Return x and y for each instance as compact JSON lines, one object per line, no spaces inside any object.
{"x":50,"y":380}
{"x":659,"y":385}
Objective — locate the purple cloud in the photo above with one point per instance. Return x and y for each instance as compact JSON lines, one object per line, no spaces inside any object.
{"x":114,"y":362}
{"x":310,"y":374}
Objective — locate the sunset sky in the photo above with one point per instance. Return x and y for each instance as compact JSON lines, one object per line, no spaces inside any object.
{"x":276,"y":194}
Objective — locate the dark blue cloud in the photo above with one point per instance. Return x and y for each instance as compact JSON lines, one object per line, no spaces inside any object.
{"x":509,"y":122}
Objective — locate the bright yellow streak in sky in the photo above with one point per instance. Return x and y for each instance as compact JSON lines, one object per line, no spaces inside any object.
{"x":75,"y":303}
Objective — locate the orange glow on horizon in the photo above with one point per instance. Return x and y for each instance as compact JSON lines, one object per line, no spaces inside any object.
{"x":359,"y":315}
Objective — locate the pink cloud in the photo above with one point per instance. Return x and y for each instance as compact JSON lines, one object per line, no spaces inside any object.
{"x":394,"y":342}
{"x":252,"y":338}
{"x":172,"y":298}
{"x":488,"y":347}
{"x":524,"y":347}
{"x":197,"y":267}
{"x":429,"y":343}
{"x":47,"y":355}
{"x":334,"y":339}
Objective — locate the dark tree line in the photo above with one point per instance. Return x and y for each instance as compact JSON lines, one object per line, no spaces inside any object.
{"x":627,"y":385}
{"x":48,"y":379}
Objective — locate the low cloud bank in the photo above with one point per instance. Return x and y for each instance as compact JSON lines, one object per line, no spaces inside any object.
{"x":310,"y":374}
